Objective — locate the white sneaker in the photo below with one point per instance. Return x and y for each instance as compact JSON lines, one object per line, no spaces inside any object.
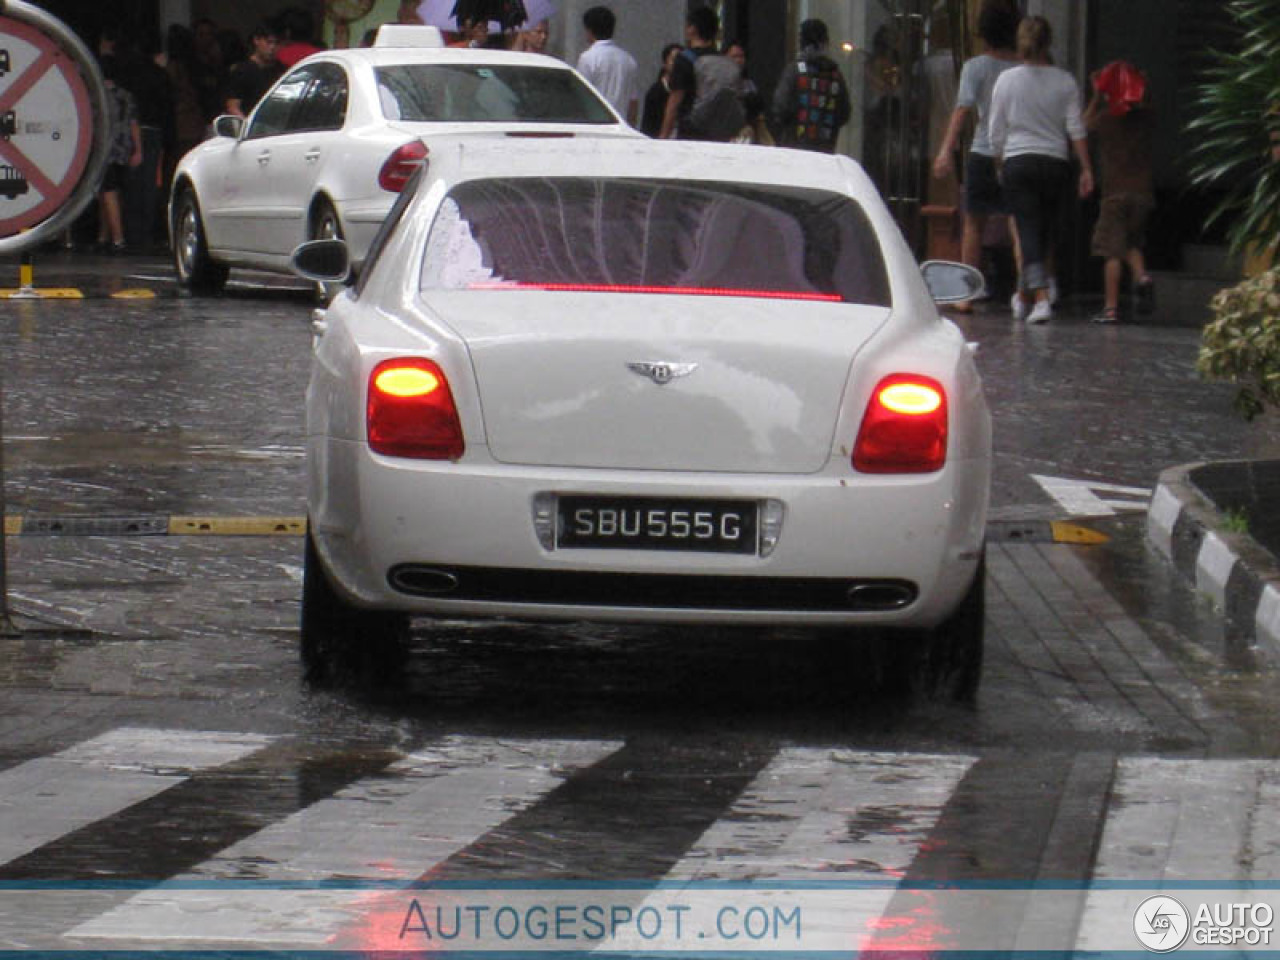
{"x":1019,"y":306}
{"x":1041,"y":312}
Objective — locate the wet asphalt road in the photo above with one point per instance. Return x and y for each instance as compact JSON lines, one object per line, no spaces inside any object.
{"x":189,"y":406}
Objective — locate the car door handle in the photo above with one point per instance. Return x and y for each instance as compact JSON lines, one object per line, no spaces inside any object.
{"x":264,"y":158}
{"x":311,"y":156}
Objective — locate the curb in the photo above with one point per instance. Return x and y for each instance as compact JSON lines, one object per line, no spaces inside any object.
{"x":1241,"y":577}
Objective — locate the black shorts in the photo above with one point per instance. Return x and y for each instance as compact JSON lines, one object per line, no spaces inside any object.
{"x":114,"y":178}
{"x":982,"y":193}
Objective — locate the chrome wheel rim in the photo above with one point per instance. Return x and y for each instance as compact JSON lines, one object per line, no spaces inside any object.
{"x":188,"y":240}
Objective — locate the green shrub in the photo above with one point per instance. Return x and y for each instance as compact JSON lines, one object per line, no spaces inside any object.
{"x":1237,"y":131}
{"x":1242,"y":344}
{"x":1236,"y":125}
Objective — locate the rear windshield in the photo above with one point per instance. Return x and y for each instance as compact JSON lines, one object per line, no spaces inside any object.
{"x":471,"y":93}
{"x":647,"y":236}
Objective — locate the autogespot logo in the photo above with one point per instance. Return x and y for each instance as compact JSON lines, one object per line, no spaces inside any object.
{"x":1161,"y":924}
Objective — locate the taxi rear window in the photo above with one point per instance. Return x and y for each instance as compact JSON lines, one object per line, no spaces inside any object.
{"x":654,"y":237}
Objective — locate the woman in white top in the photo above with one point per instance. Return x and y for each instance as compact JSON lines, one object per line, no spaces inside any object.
{"x":1035,"y":112}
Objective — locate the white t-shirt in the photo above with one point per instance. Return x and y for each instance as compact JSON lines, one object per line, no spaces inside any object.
{"x":977,"y":79}
{"x":612,"y":71}
{"x":1035,"y":109}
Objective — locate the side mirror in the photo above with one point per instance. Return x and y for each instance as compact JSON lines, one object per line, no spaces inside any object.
{"x":323,"y":261}
{"x":229,"y":125}
{"x":952,"y":282}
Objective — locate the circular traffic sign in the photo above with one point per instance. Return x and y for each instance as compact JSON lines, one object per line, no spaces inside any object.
{"x":54,"y":126}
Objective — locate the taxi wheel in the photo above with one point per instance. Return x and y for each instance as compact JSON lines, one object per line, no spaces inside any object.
{"x":196,"y":271}
{"x":343,"y":643}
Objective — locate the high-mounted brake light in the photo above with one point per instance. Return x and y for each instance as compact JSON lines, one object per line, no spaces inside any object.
{"x":679,"y":291}
{"x":411,"y":412}
{"x":401,"y":165}
{"x":905,"y":427}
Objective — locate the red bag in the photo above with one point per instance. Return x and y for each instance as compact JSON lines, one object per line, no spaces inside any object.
{"x":1123,"y":85}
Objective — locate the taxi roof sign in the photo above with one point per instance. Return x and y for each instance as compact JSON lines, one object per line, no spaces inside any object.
{"x":408,"y":35}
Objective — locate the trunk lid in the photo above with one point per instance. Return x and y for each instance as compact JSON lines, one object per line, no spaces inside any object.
{"x":658,"y":382}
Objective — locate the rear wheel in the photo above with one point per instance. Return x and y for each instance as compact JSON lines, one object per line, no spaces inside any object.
{"x":196,"y":270}
{"x":342,"y":642}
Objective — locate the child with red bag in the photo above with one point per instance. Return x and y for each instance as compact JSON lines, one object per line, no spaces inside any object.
{"x":1123,"y":132}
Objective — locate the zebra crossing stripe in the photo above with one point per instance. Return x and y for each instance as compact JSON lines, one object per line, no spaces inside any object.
{"x":384,"y":829}
{"x":810,"y":816}
{"x":1175,"y":822}
{"x":48,"y":797}
{"x":814,"y":811}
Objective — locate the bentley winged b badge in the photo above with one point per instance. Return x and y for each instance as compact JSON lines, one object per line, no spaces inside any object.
{"x":661,"y":371}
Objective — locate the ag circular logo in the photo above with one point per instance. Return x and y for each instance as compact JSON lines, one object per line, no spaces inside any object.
{"x":1161,"y":924}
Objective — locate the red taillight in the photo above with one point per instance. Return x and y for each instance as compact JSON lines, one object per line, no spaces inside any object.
{"x":905,"y":427}
{"x":411,"y":411}
{"x":402,"y":165}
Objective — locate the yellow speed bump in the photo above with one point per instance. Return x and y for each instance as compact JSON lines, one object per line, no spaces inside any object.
{"x":237,"y":526}
{"x":134,"y":293}
{"x":12,"y":526}
{"x":1073,"y":533}
{"x":43,"y":293}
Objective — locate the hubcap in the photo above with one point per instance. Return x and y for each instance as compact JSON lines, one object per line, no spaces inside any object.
{"x":188,"y":240}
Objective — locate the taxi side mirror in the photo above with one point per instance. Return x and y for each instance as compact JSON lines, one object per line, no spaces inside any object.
{"x":952,"y":282}
{"x":229,"y":125}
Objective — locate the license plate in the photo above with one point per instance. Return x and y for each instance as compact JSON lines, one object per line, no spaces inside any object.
{"x":657,"y":523}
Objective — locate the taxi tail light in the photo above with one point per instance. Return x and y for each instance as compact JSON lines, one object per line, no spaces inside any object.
{"x":411,"y":412}
{"x":401,"y":165}
{"x":904,"y":429}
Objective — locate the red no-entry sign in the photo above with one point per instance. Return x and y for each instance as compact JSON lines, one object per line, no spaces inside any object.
{"x":53,"y":126}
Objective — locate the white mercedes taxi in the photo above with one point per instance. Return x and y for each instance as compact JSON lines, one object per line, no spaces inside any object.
{"x":644,"y":381}
{"x":331,"y":144}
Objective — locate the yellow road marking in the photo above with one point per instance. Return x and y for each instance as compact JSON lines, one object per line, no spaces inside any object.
{"x":1073,"y":533}
{"x":44,"y":293}
{"x":135,"y":293}
{"x":237,"y":526}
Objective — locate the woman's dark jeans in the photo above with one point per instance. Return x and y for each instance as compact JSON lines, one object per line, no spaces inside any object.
{"x":1035,"y":189}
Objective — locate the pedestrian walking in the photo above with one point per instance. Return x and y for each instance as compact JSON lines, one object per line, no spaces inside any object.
{"x":608,"y":67}
{"x":811,"y":101}
{"x":655,"y":100}
{"x":705,"y":102}
{"x":153,"y":94}
{"x":983,"y":198}
{"x":1122,"y":124}
{"x":1035,"y":114}
{"x":252,"y":77}
{"x":124,"y":153}
{"x":756,"y":129}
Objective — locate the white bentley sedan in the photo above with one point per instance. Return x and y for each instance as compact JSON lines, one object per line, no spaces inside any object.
{"x":330,"y":145}
{"x":644,"y":381}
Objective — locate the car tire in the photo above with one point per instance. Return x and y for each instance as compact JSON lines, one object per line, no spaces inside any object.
{"x":950,"y":662}
{"x":325,"y":225}
{"x":341,"y":642}
{"x":196,"y":271}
